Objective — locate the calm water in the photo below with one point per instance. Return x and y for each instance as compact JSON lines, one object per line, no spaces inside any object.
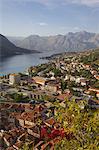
{"x":20,"y":62}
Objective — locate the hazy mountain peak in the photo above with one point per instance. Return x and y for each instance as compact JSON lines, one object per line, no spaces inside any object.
{"x":70,"y":42}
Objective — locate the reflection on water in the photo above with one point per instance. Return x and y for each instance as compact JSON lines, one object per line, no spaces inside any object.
{"x":20,"y":62}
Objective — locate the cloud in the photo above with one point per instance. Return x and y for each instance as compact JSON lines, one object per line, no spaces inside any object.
{"x":76,"y":28}
{"x":42,"y":23}
{"x":66,"y":28}
{"x":86,"y":2}
{"x":91,"y":3}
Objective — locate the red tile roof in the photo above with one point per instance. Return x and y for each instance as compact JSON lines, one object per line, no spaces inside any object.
{"x":63,"y":96}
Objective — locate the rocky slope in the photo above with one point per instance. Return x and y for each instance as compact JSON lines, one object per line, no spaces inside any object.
{"x":60,"y":43}
{"x":9,"y":49}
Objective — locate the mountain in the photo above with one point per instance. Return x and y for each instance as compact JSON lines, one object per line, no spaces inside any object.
{"x":9,"y":49}
{"x":60,"y":43}
{"x":15,"y":40}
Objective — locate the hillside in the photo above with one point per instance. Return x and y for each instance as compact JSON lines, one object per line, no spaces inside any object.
{"x":9,"y":49}
{"x":60,"y":43}
{"x":15,"y":40}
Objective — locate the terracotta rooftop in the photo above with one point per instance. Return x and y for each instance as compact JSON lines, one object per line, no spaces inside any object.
{"x":39,"y":79}
{"x":63,"y":96}
{"x":14,"y":74}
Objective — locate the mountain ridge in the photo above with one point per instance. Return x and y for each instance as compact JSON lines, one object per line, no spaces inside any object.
{"x":7,"y":48}
{"x":69,"y":42}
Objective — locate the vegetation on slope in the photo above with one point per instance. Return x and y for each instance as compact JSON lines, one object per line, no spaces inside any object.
{"x":82,"y":121}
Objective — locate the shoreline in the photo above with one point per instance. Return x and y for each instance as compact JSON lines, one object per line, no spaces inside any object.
{"x":49,"y":58}
{"x":57,"y":55}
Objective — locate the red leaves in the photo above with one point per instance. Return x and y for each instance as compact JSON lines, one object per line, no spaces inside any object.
{"x":54,"y":133}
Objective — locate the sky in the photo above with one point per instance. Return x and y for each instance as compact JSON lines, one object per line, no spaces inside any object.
{"x":48,"y":17}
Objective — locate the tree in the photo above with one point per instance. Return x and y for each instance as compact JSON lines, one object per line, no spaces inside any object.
{"x":26,"y":147}
{"x":63,"y":85}
{"x":92,"y":57}
{"x":86,"y":74}
{"x":57,"y":72}
{"x":82,"y":121}
{"x":93,"y":93}
{"x":18,"y":97}
{"x":95,"y":84}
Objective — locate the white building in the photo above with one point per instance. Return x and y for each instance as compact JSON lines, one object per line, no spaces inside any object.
{"x":97,"y":95}
{"x":78,"y":79}
{"x":72,"y":78}
{"x":66,"y":77}
{"x":14,"y":79}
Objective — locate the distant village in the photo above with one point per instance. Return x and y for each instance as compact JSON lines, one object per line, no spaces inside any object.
{"x":28,"y":101}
